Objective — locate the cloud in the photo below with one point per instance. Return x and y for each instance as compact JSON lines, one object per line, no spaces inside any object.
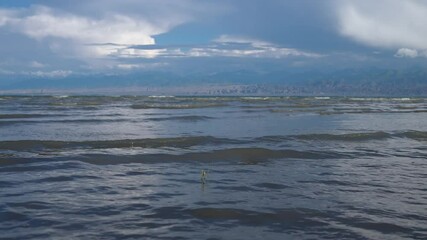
{"x":118,"y":29}
{"x":42,"y":23}
{"x":410,"y":53}
{"x":95,"y":33}
{"x":257,"y":48}
{"x":223,"y":46}
{"x":130,"y":52}
{"x":406,"y":52}
{"x":133,"y":66}
{"x":393,"y":24}
{"x":80,"y":31}
{"x":36,"y":64}
{"x":50,"y":74}
{"x":5,"y":15}
{"x":240,"y":39}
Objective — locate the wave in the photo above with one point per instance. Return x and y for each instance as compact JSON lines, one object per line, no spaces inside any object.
{"x":254,"y":155}
{"x":177,"y":106}
{"x":60,"y":96}
{"x":259,"y":99}
{"x":363,"y":111}
{"x":62,"y":121}
{"x":364,"y":136}
{"x":360,"y":136}
{"x":280,"y":216}
{"x":322,"y":98}
{"x":178,"y":142}
{"x":245,"y":155}
{"x":161,"y":96}
{"x":379,"y":135}
{"x":191,"y":118}
{"x":191,"y":141}
{"x":415,"y":135}
{"x":379,"y":99}
{"x":23,"y":115}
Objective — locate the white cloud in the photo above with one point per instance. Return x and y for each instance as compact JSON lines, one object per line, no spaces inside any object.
{"x":257,"y":48}
{"x":97,"y":34}
{"x":384,"y":23}
{"x":241,"y":39}
{"x":140,"y":53}
{"x":43,"y":22}
{"x":224,"y":46}
{"x":50,"y":74}
{"x":406,"y":52}
{"x":264,"y":52}
{"x":75,"y":35}
{"x":133,"y":66}
{"x":5,"y":15}
{"x":35,"y":64}
{"x":118,"y":29}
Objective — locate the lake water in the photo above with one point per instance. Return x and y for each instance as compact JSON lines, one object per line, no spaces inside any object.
{"x":129,"y":167}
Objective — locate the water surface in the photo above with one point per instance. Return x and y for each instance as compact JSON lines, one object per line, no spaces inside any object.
{"x":129,"y":167}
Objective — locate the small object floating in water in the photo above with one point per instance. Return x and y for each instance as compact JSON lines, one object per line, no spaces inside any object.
{"x":203,"y":176}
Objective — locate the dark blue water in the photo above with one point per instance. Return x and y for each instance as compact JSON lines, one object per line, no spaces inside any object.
{"x":102,"y":167}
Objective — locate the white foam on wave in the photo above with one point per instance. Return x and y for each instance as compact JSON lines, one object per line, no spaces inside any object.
{"x":402,"y":99}
{"x":61,"y":96}
{"x":322,"y":98}
{"x":161,"y":96}
{"x":256,"y":98}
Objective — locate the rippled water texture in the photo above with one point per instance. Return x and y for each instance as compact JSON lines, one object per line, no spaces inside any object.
{"x":98,"y":167}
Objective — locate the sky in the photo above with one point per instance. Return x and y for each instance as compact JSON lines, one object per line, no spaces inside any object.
{"x":56,"y":39}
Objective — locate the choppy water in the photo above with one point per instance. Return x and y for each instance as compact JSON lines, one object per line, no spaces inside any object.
{"x":89,"y":167}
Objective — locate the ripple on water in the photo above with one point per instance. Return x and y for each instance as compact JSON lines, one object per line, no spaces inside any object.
{"x":279,"y":168}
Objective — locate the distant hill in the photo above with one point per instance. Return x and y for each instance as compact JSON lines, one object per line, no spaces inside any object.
{"x":367,"y":81}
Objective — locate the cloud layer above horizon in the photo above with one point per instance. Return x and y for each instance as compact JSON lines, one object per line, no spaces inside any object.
{"x":58,"y":38}
{"x":392,"y":24}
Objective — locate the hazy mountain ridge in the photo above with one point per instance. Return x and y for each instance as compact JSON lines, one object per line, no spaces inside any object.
{"x":369,"y":81}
